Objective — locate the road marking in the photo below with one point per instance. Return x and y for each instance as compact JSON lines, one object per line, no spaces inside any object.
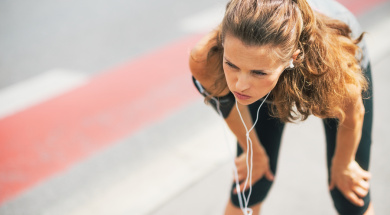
{"x":358,"y":7}
{"x":38,"y":89}
{"x":139,"y":192}
{"x":68,"y":128}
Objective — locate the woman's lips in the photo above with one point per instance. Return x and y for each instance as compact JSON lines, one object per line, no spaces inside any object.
{"x":241,"y":96}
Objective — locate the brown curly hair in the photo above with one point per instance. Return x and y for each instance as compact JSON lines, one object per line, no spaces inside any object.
{"x":326,"y":69}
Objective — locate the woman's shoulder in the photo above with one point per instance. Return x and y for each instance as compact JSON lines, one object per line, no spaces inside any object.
{"x":206,"y":61}
{"x":202,"y":57}
{"x":200,"y":51}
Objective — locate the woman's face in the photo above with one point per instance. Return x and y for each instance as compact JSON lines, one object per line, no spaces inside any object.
{"x":251,"y":71}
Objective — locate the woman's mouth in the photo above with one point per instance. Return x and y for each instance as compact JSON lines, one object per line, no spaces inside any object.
{"x":241,"y":96}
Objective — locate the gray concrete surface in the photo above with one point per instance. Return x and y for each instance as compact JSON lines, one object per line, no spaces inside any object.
{"x":85,"y":35}
{"x":180,"y":165}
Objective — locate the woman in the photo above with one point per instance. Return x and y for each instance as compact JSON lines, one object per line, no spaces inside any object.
{"x":307,"y":59}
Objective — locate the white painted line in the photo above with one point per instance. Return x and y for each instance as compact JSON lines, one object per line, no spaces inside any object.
{"x":203,"y":21}
{"x":163,"y":175}
{"x":25,"y":94}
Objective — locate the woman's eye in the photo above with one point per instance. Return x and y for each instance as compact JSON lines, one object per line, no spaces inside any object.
{"x":258,"y":73}
{"x":230,"y":65}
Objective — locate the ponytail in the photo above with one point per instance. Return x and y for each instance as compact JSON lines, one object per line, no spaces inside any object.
{"x":324,"y":70}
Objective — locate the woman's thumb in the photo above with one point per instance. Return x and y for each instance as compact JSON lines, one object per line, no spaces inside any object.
{"x":269,"y":175}
{"x":332,"y":184}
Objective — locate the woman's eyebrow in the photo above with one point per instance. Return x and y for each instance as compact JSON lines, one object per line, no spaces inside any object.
{"x":255,"y":70}
{"x":230,"y":62}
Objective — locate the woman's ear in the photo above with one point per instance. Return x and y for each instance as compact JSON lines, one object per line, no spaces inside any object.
{"x":295,"y":55}
{"x":293,"y":58}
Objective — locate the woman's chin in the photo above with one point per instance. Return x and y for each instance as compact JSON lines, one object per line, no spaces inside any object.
{"x":245,"y":101}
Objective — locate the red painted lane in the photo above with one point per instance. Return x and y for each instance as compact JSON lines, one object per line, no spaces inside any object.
{"x":50,"y":137}
{"x":358,"y":7}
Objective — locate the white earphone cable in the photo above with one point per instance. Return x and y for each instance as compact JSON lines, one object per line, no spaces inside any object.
{"x":244,"y":208}
{"x":249,"y":148}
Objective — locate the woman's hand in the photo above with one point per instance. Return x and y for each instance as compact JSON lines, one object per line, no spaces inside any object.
{"x":260,"y":169}
{"x":351,"y":180}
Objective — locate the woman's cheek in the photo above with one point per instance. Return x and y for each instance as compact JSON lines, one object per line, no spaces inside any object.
{"x":272,"y":80}
{"x":265,"y":83}
{"x":229,"y":78}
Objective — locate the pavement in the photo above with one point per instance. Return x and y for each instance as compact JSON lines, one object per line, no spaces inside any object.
{"x":179,"y":161}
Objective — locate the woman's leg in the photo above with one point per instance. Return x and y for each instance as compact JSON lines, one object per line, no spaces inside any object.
{"x":343,"y":206}
{"x":269,"y":131}
{"x":370,"y":210}
{"x":232,"y":209}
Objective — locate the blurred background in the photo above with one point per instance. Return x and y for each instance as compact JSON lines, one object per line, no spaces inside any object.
{"x":98,"y":114}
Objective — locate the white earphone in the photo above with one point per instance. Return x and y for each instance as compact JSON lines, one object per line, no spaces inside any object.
{"x":291,"y":64}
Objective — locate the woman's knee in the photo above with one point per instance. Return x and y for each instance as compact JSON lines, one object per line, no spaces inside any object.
{"x":345,"y":207}
{"x":232,"y":209}
{"x":259,"y":192}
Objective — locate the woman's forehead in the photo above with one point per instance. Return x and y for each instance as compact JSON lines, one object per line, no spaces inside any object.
{"x":259,"y":56}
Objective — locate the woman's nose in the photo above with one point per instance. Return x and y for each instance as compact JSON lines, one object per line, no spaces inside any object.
{"x":243,"y":82}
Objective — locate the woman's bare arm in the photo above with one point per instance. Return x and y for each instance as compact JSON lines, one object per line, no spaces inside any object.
{"x":350,"y":130}
{"x":346,"y":174}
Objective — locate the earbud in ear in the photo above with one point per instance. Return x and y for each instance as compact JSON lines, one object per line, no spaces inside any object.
{"x":291,"y":64}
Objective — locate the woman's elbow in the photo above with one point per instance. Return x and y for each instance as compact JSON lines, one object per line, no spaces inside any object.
{"x":361,"y":112}
{"x":358,"y":115}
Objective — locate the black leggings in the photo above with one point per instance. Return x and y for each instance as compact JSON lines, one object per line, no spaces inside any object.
{"x":270,"y":131}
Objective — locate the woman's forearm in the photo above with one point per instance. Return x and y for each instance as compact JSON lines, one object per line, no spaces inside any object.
{"x":346,"y":144}
{"x":349,"y":133}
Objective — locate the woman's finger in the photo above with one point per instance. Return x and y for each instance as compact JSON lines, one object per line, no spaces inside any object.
{"x":365,"y":175}
{"x":241,"y":173}
{"x":363,"y":184}
{"x":269,"y":175}
{"x":242,"y":185}
{"x":332,"y":184}
{"x":354,"y":199}
{"x":238,"y":162}
{"x":360,"y":191}
{"x":242,"y":176}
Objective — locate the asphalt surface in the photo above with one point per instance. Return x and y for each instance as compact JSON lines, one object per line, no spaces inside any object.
{"x":180,"y":164}
{"x":86,"y":36}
